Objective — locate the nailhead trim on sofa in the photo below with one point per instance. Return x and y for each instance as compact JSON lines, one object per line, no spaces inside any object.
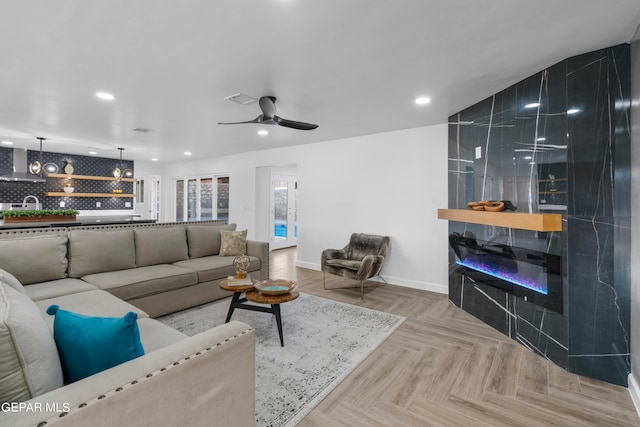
{"x":54,"y":418}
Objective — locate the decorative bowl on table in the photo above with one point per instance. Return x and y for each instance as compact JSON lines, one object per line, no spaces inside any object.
{"x":275,"y":287}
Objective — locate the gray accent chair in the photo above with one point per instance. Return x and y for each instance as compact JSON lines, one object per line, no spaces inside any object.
{"x":360,"y":260}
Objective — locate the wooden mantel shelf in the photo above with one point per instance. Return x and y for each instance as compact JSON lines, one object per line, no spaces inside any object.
{"x":523,"y":221}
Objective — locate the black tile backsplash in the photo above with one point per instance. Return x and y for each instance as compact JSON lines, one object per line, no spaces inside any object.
{"x":14,"y":192}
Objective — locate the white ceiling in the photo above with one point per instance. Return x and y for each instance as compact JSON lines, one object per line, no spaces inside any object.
{"x":352,"y":66}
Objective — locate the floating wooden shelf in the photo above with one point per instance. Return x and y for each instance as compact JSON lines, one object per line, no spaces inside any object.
{"x":92,"y":178}
{"x":62,"y":194}
{"x":523,"y":221}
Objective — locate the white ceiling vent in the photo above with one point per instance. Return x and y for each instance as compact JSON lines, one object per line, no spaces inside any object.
{"x":143,"y":130}
{"x":240,"y":98}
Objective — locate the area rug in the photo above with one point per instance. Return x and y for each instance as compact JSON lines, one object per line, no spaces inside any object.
{"x":324,"y":341}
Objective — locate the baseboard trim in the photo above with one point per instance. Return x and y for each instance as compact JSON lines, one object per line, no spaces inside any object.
{"x":399,"y":281}
{"x":634,"y":391}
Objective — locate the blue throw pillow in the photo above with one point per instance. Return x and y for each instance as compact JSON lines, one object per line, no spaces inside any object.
{"x":88,"y":345}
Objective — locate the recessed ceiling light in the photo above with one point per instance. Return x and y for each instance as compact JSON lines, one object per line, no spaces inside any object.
{"x":263,"y":132}
{"x":423,"y":100}
{"x":7,"y":142}
{"x":532,"y":105}
{"x":105,"y":96}
{"x":528,"y":157}
{"x":93,"y":152}
{"x":154,"y":160}
{"x":541,"y":139}
{"x":573,"y":111}
{"x":187,"y":153}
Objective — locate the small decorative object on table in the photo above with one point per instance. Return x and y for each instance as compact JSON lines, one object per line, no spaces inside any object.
{"x":68,"y":188}
{"x":241,"y":264}
{"x":243,"y":281}
{"x":275,"y":287}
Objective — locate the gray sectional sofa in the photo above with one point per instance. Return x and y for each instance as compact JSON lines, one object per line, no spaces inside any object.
{"x":148,"y":269}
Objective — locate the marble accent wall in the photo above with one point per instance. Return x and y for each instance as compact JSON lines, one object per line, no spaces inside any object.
{"x":635,"y":221}
{"x":557,"y":142}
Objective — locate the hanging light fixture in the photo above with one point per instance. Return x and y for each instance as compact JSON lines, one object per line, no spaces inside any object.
{"x":35,"y":168}
{"x":117,"y":172}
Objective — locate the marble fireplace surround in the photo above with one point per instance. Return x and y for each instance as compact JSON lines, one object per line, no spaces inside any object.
{"x":557,"y":142}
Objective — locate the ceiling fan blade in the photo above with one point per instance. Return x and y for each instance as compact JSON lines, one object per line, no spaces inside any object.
{"x":256,"y":120}
{"x":268,"y":106}
{"x":293,"y":124}
{"x":268,"y":116}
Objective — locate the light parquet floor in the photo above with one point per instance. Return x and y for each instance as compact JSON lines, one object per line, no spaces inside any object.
{"x":443,"y":367}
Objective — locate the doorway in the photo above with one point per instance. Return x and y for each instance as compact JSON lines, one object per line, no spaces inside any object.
{"x":283,"y":211}
{"x":148,"y":197}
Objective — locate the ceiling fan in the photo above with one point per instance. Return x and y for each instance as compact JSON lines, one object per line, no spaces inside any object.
{"x":268,"y":116}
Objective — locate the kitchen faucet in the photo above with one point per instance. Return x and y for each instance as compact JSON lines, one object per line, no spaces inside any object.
{"x":30,"y":196}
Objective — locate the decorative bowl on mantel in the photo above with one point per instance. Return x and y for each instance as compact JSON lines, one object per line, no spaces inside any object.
{"x":275,"y":287}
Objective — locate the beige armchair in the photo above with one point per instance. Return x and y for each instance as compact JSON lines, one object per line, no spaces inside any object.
{"x":360,"y":260}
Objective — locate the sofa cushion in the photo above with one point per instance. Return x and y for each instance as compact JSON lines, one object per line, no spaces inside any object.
{"x":345,"y":263}
{"x":156,"y":335}
{"x":29,"y":363}
{"x":88,"y":344}
{"x":216,"y":267}
{"x":57,"y":288}
{"x":35,"y":259}
{"x":204,"y":240}
{"x":97,"y":302}
{"x":95,"y":251}
{"x":11,"y":280}
{"x":143,"y":281}
{"x":233,"y":243}
{"x":160,"y":245}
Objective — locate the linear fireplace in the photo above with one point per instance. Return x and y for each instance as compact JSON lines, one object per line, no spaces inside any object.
{"x":528,"y":274}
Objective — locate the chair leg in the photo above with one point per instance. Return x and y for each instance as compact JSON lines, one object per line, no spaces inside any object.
{"x":324,"y":279}
{"x":362,"y":290}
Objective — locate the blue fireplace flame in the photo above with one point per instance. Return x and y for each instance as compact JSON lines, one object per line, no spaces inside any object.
{"x":503,"y":274}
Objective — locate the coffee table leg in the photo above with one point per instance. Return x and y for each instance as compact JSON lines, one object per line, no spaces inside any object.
{"x":232,"y":306}
{"x":276,"y":311}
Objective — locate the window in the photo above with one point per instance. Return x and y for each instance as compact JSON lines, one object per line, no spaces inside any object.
{"x":198,"y":199}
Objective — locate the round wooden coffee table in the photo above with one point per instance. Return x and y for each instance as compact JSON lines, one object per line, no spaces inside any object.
{"x":253,"y":295}
{"x":236,"y":301}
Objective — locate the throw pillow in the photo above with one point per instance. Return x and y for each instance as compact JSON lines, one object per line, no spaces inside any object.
{"x":88,"y":345}
{"x":233,"y":243}
{"x":29,"y":365}
{"x":11,"y":280}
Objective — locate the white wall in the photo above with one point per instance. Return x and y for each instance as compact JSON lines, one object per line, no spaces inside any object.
{"x":390,"y":183}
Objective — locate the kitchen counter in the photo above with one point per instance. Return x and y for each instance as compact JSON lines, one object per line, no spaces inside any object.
{"x":79,"y":221}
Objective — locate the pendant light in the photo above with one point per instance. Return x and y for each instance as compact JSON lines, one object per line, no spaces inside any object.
{"x":117,"y":172}
{"x":35,"y":168}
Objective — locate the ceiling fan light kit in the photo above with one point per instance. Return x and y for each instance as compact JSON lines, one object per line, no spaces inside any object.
{"x":268,"y":116}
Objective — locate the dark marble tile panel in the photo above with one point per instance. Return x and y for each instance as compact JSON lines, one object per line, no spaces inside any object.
{"x":550,"y":158}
